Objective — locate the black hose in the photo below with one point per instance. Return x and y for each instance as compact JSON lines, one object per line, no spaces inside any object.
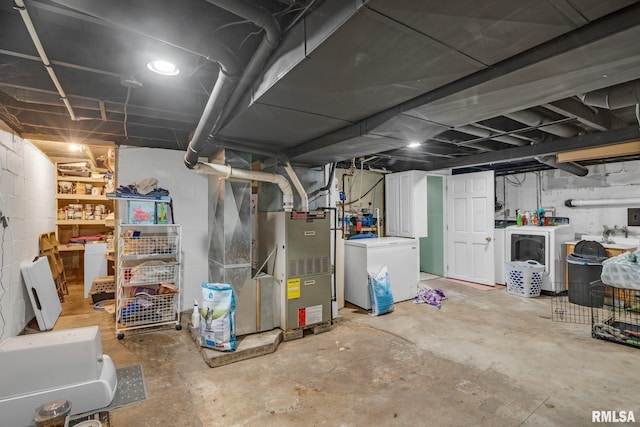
{"x":365,"y":194}
{"x":326,"y":187}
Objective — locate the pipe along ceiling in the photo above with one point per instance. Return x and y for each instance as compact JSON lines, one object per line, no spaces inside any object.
{"x":532,"y":118}
{"x":220,"y":105}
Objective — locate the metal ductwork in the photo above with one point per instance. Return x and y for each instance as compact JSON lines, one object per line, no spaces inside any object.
{"x":534,"y":119}
{"x":486,"y":133}
{"x":263,"y":19}
{"x":210,"y":117}
{"x":304,"y":199}
{"x":531,"y":118}
{"x":224,"y":101}
{"x":226,"y":171}
{"x":570,"y":167}
{"x":614,"y":97}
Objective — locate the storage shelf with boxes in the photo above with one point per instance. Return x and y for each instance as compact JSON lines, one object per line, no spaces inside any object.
{"x":84,"y":213}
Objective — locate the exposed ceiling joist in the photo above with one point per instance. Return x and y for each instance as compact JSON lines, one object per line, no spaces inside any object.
{"x":627,"y":134}
{"x":347,"y":80}
{"x":608,"y":151}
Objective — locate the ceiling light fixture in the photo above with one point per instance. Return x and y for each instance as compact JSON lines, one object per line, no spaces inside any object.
{"x":414,"y":145}
{"x":75,"y":147}
{"x":163,"y":67}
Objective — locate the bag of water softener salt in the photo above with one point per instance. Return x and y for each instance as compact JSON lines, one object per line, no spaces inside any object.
{"x":380,"y":292}
{"x":218,"y":317}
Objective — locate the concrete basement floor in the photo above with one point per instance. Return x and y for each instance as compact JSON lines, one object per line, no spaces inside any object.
{"x":486,"y":358}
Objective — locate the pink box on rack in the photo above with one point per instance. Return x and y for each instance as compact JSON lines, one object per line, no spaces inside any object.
{"x":141,"y":212}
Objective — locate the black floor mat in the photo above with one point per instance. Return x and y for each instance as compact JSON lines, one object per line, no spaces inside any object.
{"x":130,"y":387}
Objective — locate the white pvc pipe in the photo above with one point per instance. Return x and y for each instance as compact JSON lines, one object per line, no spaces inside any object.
{"x":603,"y":202}
{"x":304,"y":198}
{"x":226,"y":171}
{"x":43,"y":55}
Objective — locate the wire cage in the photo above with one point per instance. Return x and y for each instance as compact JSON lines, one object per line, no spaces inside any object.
{"x":617,"y":318}
{"x":567,"y":308}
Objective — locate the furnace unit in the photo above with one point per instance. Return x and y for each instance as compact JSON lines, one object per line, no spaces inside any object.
{"x":297,"y":248}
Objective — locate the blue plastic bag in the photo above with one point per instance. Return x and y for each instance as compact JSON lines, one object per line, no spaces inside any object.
{"x":380,"y":292}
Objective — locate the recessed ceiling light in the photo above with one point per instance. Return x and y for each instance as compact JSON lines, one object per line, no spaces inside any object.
{"x":414,"y":145}
{"x":75,"y":147}
{"x":163,"y":67}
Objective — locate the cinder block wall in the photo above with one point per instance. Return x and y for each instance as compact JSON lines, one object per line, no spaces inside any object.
{"x":552,"y":187}
{"x":27,"y":199}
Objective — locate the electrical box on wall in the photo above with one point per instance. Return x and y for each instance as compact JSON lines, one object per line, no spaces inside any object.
{"x":633,"y":218}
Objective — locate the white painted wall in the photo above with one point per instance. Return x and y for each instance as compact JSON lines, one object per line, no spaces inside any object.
{"x":357,"y":185}
{"x":27,"y":199}
{"x":189,"y":193}
{"x":553,"y":187}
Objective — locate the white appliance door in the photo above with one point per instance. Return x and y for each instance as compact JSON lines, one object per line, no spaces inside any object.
{"x":42,"y":292}
{"x":499,"y":259}
{"x":470,"y":202}
{"x":527,"y":243}
{"x":95,"y":264}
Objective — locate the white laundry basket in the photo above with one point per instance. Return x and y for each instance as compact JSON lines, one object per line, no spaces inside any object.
{"x":524,"y":278}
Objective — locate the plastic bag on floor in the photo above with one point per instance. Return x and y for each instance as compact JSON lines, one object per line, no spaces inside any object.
{"x":432,"y":297}
{"x":218,"y":317}
{"x":380,"y":292}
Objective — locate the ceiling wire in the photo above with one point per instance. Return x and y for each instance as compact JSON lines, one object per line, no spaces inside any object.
{"x":251,"y":34}
{"x":230,"y":24}
{"x":516,"y":182}
{"x":126,"y":103}
{"x":178,"y":142}
{"x":300,"y":15}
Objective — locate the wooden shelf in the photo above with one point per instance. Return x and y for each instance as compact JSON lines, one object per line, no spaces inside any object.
{"x":70,"y":248}
{"x":84,"y":222}
{"x":80,"y":179}
{"x":80,"y":197}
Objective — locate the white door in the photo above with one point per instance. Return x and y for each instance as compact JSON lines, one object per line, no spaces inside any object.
{"x":470,"y":202}
{"x":405,"y":187}
{"x":392,"y":204}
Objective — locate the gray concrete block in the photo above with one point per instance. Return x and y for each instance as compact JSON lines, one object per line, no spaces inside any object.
{"x":247,"y":347}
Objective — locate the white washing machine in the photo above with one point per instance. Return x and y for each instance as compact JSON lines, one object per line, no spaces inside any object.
{"x":542,"y":244}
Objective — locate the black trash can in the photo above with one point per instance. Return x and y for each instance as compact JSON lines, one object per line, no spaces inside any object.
{"x":584,"y":277}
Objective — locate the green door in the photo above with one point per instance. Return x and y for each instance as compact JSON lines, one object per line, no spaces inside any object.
{"x":432,"y":247}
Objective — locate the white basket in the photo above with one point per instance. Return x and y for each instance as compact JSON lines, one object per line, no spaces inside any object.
{"x":524,"y":278}
{"x":150,"y":273}
{"x":144,"y":309}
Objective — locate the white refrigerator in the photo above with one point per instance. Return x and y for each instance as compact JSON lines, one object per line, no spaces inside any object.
{"x":401,"y":256}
